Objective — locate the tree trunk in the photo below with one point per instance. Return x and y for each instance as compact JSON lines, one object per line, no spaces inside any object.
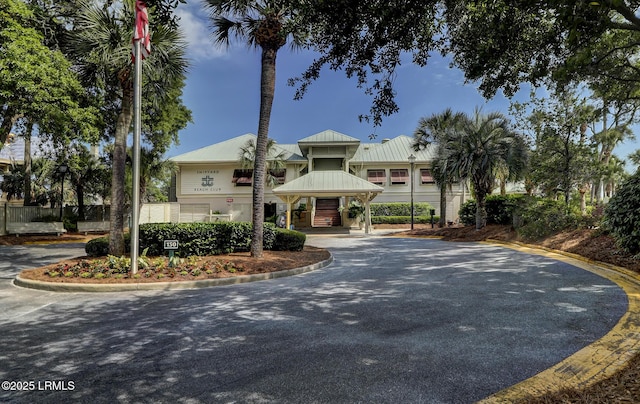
{"x":80,"y":195}
{"x":116,"y":230}
{"x":27,"y":164}
{"x":481,"y":210}
{"x":267,"y":91}
{"x":8,"y":120}
{"x":443,"y":206}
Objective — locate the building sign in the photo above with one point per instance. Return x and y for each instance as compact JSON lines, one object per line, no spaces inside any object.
{"x":201,"y":181}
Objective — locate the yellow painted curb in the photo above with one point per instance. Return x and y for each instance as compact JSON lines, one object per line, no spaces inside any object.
{"x":597,"y":361}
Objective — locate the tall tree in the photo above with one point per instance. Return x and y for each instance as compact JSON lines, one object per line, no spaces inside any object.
{"x":484,"y":146}
{"x":37,"y":84}
{"x":563,"y":160}
{"x":84,"y":169}
{"x":267,"y":25}
{"x":438,"y":129}
{"x":503,"y":43}
{"x":101,"y":45}
{"x":153,"y":167}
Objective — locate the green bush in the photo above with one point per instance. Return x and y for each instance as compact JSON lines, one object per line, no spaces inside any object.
{"x":500,"y":209}
{"x":541,"y":217}
{"x":403,"y":219}
{"x":622,"y":215}
{"x":70,"y":222}
{"x":288,"y":240}
{"x":467,"y":213}
{"x":196,"y":239}
{"x":99,"y":247}
{"x":400,"y":209}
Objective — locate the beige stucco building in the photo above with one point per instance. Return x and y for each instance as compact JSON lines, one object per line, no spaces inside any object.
{"x":323,"y":172}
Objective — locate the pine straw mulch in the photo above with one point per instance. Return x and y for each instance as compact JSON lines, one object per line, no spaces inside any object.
{"x":188,"y":269}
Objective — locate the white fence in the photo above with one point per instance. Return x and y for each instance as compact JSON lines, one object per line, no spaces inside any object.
{"x":97,"y":217}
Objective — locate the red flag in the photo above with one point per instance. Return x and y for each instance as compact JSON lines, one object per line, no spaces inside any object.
{"x":141,"y":31}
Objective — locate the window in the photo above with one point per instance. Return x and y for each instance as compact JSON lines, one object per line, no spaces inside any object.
{"x":278,"y":175}
{"x":426,"y":177}
{"x":378,"y":177}
{"x":242,"y":178}
{"x":399,"y":176}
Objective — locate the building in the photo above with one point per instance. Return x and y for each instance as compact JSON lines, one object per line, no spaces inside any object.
{"x":321,"y":175}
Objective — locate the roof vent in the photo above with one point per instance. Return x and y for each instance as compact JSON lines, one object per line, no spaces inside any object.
{"x":385,"y":140}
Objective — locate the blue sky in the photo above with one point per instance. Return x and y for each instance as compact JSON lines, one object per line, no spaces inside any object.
{"x":223,"y":93}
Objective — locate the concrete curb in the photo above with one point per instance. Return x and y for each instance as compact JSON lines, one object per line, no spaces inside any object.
{"x":597,"y":361}
{"x":126,"y":287}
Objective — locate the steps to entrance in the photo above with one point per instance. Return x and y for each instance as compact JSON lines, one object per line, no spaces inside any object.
{"x":327,"y":214}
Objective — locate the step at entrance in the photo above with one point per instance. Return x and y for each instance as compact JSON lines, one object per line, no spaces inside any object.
{"x":327,"y":214}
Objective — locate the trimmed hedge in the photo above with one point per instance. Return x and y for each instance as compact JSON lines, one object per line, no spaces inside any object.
{"x":400,"y":209}
{"x":403,"y":219}
{"x":203,"y":238}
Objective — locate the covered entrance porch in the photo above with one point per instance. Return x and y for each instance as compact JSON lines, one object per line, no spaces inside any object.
{"x":327,"y":187}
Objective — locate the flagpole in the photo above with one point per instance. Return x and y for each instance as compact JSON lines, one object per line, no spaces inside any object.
{"x":135,"y":203}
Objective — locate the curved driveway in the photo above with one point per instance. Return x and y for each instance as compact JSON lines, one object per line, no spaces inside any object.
{"x":390,"y":320}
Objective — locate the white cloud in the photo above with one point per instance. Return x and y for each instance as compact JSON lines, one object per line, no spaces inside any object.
{"x":194,"y":25}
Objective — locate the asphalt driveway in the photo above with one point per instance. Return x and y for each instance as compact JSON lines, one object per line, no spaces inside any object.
{"x":390,"y":320}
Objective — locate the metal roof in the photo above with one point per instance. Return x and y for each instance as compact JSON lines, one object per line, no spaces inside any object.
{"x":327,"y":183}
{"x":329,"y":136}
{"x":228,"y":151}
{"x":397,"y":149}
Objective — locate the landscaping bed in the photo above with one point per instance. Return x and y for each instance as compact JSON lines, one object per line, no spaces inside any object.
{"x":157,"y":269}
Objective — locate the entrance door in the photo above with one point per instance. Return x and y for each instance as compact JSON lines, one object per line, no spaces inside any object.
{"x":327,"y":213}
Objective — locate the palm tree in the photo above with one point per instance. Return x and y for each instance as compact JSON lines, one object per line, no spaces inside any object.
{"x":152,"y":167}
{"x":483,"y":147}
{"x":263,"y":24}
{"x":275,"y":160}
{"x":102,"y":49}
{"x":437,"y":129}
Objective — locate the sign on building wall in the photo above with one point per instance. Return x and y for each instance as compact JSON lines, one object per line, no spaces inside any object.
{"x":204,"y":181}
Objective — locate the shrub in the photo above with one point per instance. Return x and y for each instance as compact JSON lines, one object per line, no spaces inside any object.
{"x":622,"y":215}
{"x":400,"y":209}
{"x":467,"y":213}
{"x":500,"y":209}
{"x":99,"y":247}
{"x":540,"y":217}
{"x":288,"y":240}
{"x":403,"y":219}
{"x":203,"y":238}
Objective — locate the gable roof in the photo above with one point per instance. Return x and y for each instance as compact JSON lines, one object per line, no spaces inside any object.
{"x":329,"y":137}
{"x":327,"y":183}
{"x":397,"y":150}
{"x":228,"y":151}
